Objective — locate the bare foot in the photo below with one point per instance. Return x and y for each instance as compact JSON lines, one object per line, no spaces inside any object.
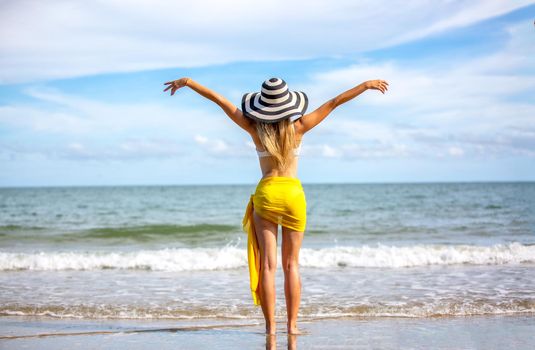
{"x":294,"y":331}
{"x":271,"y":329}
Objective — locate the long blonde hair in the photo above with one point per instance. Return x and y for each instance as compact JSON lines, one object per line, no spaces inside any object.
{"x":278,"y":139}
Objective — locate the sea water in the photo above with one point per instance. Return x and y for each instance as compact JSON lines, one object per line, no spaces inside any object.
{"x":179,"y":252}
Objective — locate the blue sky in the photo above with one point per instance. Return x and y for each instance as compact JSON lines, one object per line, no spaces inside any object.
{"x":82,"y":101}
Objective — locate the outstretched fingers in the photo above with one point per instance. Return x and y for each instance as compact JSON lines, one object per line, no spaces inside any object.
{"x":173,"y":86}
{"x":382,"y":86}
{"x":176,"y":84}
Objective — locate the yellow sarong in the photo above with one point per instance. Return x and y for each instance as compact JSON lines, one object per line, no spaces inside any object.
{"x":278,"y":199}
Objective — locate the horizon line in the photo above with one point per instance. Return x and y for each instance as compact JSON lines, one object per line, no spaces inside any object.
{"x":254,"y":183}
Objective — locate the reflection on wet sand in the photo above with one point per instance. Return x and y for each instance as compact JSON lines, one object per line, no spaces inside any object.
{"x":271,"y":342}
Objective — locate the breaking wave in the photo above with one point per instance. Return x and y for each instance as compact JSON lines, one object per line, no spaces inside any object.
{"x":230,"y":257}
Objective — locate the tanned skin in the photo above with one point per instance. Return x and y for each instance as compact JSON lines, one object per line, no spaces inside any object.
{"x":267,"y":231}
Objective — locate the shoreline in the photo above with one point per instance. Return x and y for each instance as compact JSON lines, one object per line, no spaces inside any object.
{"x":445,"y":332}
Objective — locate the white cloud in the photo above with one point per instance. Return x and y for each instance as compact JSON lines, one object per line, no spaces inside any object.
{"x":457,"y":105}
{"x":392,"y":150}
{"x":351,"y":151}
{"x":201,"y":139}
{"x":455,"y":151}
{"x":69,"y":114}
{"x":456,"y":108}
{"x":314,"y":149}
{"x":472,"y":12}
{"x":329,"y":151}
{"x":60,"y":39}
{"x":121,"y":150}
{"x":74,"y":127}
{"x":151,"y":147}
{"x":219,"y":147}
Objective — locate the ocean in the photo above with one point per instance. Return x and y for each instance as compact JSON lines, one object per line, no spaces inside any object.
{"x":179,"y":253}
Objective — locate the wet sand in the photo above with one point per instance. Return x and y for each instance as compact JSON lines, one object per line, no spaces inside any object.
{"x":474,"y":332}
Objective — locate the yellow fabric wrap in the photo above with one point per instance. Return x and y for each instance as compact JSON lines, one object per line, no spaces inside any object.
{"x":280,"y":200}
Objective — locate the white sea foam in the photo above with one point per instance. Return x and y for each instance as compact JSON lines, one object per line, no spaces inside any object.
{"x":184,"y":259}
{"x":419,"y":255}
{"x":450,"y":307}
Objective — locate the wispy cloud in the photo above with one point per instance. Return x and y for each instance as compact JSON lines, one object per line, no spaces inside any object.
{"x":121,"y":150}
{"x":69,"y":126}
{"x":458,"y":108}
{"x":454,"y":109}
{"x":215,"y":146}
{"x":61,"y":39}
{"x":69,"y":114}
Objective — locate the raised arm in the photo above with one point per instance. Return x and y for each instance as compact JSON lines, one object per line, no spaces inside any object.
{"x":308,"y":121}
{"x":232,"y":111}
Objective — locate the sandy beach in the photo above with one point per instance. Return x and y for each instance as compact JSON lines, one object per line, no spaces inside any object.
{"x":476,"y":332}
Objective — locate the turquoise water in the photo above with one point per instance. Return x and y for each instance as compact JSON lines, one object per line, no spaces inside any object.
{"x":201,"y":216}
{"x":411,"y":250}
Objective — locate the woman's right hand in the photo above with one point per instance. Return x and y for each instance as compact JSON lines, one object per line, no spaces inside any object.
{"x":378,"y":84}
{"x":176,"y":84}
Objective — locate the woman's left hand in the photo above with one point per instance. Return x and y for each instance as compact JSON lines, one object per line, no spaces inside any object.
{"x":176,"y":84}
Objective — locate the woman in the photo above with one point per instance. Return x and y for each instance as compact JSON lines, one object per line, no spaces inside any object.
{"x":274,"y":118}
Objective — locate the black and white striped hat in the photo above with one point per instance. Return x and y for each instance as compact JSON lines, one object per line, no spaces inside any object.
{"x":274,"y":103}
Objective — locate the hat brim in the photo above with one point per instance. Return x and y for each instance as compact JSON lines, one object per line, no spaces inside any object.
{"x":294,"y":108}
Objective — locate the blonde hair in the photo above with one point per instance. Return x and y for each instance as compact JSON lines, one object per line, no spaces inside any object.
{"x":278,"y":139}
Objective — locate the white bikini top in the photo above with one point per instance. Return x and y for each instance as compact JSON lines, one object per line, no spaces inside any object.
{"x":297,"y":150}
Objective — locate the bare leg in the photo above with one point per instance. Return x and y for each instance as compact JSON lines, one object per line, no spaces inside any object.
{"x":291,"y":244}
{"x":266,"y":232}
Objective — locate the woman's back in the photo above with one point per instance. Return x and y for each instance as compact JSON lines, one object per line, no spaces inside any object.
{"x":268,"y":165}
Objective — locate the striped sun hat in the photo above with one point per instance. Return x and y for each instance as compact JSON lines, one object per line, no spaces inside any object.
{"x":274,"y":103}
